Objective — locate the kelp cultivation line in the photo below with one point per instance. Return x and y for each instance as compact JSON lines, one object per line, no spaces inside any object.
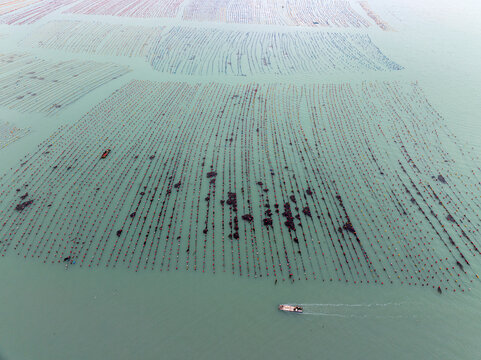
{"x":29,"y":88}
{"x":200,"y":51}
{"x":355,"y":131}
{"x":332,"y":13}
{"x":94,"y":38}
{"x":355,"y":155}
{"x":19,"y":12}
{"x":295,"y":182}
{"x":375,"y":17}
{"x":10,"y":133}
{"x":429,"y":167}
{"x":127,"y":8}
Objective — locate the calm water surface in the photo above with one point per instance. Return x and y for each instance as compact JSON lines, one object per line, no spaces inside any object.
{"x":47,"y":312}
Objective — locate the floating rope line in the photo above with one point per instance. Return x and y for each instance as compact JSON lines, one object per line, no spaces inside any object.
{"x":296,"y":182}
{"x":10,"y":6}
{"x":286,"y":12}
{"x":9,"y":133}
{"x":127,"y":8}
{"x":198,"y":51}
{"x":377,"y":19}
{"x":94,"y":38}
{"x":29,"y":87}
{"x":21,"y":12}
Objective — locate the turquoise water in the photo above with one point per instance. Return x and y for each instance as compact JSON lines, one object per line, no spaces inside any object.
{"x":53,"y":311}
{"x":83,"y":314}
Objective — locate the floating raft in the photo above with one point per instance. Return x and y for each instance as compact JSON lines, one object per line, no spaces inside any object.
{"x":197,"y":51}
{"x":94,"y":38}
{"x":30,"y":84}
{"x":346,"y":183}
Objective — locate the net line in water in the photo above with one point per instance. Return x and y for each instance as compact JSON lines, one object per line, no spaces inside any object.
{"x":375,"y":17}
{"x":334,"y":182}
{"x":198,"y":51}
{"x":94,"y":38}
{"x":330,"y":13}
{"x":10,"y":133}
{"x":127,"y":8}
{"x":31,"y":84}
{"x":21,"y":12}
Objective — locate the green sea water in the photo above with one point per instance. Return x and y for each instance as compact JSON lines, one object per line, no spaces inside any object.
{"x":47,"y":312}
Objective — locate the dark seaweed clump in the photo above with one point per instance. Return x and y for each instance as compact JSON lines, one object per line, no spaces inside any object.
{"x":348,"y":226}
{"x":307,"y":211}
{"x":289,"y":218}
{"x":22,"y":206}
{"x":247,"y":217}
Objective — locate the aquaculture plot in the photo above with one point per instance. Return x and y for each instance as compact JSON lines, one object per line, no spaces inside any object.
{"x":9,"y":62}
{"x":94,"y":38}
{"x":279,"y":181}
{"x":375,"y":17}
{"x":237,"y":11}
{"x":400,"y":188}
{"x":271,"y":12}
{"x":29,"y":84}
{"x":9,"y":133}
{"x":194,"y":51}
{"x":28,"y":12}
{"x":7,"y":6}
{"x":324,"y":13}
{"x":128,"y":8}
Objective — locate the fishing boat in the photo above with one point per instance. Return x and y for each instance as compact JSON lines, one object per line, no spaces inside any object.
{"x":290,"y":308}
{"x":106,"y":152}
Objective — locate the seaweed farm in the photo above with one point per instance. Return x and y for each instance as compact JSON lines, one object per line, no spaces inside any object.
{"x":22,"y":12}
{"x":240,"y":179}
{"x":330,"y":13}
{"x":200,"y":196}
{"x":78,"y":37}
{"x":26,"y":82}
{"x":194,"y":51}
{"x":127,"y":8}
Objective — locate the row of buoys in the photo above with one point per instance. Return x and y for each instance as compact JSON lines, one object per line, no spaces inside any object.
{"x":20,"y":12}
{"x":207,"y":51}
{"x":284,"y":181}
{"x":375,"y":17}
{"x":404,"y":120}
{"x":10,"y":133}
{"x":6,"y":7}
{"x":287,"y":12}
{"x":331,"y":13}
{"x":48,"y":86}
{"x":94,"y":38}
{"x":127,"y":8}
